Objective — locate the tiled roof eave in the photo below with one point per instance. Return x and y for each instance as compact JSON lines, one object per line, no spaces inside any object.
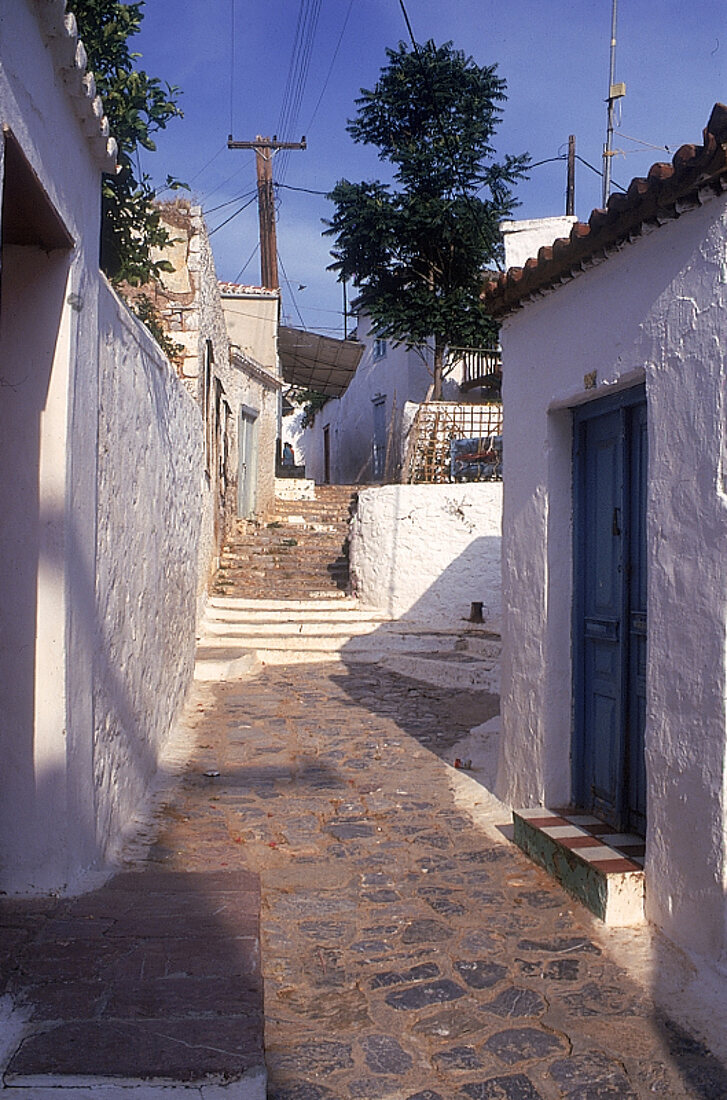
{"x":60,"y":33}
{"x":695,"y":175}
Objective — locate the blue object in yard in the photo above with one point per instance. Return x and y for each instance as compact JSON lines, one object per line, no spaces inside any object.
{"x":476,"y":459}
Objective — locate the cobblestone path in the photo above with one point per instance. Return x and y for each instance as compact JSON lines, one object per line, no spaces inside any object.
{"x":408,"y":952}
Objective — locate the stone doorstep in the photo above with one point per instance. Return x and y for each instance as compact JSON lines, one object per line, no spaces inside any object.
{"x":603,"y":869}
{"x":150,"y":983}
{"x":250,"y":1085}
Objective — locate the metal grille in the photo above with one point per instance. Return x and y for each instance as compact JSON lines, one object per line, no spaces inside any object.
{"x":434,"y":428}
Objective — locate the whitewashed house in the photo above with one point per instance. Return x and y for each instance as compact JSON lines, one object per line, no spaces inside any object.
{"x":357,"y":437}
{"x":614,"y":679}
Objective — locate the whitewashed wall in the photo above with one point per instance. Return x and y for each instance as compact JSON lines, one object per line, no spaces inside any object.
{"x":398,"y":376}
{"x":149,"y":511}
{"x":48,"y":356}
{"x":656,"y":311}
{"x":427,"y":552}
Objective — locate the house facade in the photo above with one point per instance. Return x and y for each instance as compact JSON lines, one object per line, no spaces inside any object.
{"x":357,"y":437}
{"x":252,"y":320}
{"x":614,"y":669}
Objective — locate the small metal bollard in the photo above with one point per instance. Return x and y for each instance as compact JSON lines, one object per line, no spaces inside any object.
{"x":476,"y":612}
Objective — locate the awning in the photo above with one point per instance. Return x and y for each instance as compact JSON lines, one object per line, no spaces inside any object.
{"x":317,"y":362}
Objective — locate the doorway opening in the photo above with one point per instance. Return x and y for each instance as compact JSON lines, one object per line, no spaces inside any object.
{"x":609,"y":621}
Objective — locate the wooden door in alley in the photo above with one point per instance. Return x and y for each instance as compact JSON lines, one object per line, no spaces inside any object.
{"x":247,"y":463}
{"x":610,"y":469}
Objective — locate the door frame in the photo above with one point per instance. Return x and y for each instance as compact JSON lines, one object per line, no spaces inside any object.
{"x":623,"y":402}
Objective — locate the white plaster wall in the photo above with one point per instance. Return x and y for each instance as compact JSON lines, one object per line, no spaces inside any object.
{"x":427,"y":552}
{"x":48,"y":357}
{"x":524,"y":238}
{"x":657,"y":311}
{"x":252,"y":317}
{"x":400,"y":376}
{"x":149,"y":511}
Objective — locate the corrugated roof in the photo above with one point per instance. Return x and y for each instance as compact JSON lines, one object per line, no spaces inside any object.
{"x":60,"y":32}
{"x":668,"y":191}
{"x":317,"y":362}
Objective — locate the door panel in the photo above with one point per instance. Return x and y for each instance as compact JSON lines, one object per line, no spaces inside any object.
{"x":601,"y":567}
{"x":247,"y":471}
{"x":610,"y":455}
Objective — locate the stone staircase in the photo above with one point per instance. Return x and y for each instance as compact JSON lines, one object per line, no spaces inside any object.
{"x":300,"y":553}
{"x":281,"y":596}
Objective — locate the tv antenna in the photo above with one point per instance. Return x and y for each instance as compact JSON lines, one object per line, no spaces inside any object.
{"x":615,"y":92}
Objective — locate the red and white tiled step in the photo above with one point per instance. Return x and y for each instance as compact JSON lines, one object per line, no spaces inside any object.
{"x":604,"y":869}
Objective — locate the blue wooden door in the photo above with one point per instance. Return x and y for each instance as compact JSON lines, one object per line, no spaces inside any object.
{"x":610,"y":457}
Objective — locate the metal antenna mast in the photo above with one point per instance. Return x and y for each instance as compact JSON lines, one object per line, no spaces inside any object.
{"x":615,"y":91}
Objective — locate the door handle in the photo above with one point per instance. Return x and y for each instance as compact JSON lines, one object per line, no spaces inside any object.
{"x":616,"y":524}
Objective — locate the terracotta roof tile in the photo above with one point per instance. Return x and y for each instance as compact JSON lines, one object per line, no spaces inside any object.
{"x":666,"y":192}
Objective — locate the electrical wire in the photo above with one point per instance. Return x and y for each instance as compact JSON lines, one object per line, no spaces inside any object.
{"x":290,"y":292}
{"x":599,"y":172}
{"x":476,"y":218}
{"x":248,"y":261}
{"x":232,"y":66}
{"x":228,"y":220}
{"x":330,"y":67}
{"x":305,"y":190}
{"x":306,"y":26}
{"x":208,"y":194}
{"x":647,"y":144}
{"x":222,"y":205}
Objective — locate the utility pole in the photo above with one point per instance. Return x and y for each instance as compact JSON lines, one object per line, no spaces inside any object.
{"x":615,"y":91}
{"x":265,"y":149}
{"x":570,"y":200}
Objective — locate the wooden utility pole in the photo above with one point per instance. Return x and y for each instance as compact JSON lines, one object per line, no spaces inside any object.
{"x":570,"y":200}
{"x":265,"y":149}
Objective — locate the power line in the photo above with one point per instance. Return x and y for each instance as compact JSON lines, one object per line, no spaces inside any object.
{"x":232,"y":65}
{"x":305,"y":190}
{"x":228,"y":220}
{"x":330,"y":68}
{"x":443,"y":134}
{"x":248,"y":261}
{"x":222,"y":205}
{"x":290,"y":291}
{"x":307,"y":23}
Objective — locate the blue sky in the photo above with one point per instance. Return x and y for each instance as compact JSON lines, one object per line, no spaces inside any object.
{"x":554,"y":55}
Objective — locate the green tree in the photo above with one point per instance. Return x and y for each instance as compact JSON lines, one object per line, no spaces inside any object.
{"x":137,"y":106}
{"x":417,"y":248}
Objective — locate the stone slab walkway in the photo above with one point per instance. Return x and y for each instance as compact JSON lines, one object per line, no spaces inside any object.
{"x":406,"y":954}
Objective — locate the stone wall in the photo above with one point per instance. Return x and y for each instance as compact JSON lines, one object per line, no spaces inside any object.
{"x":150,"y":472}
{"x":427,"y":552}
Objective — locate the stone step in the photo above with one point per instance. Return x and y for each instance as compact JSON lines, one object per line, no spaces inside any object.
{"x":603,"y":869}
{"x":320,"y":628}
{"x":146,"y":987}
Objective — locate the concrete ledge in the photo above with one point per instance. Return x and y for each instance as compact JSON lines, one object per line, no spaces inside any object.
{"x":214,"y":670}
{"x":588,"y":865}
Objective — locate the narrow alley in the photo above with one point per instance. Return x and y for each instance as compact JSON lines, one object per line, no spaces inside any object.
{"x":407,"y":950}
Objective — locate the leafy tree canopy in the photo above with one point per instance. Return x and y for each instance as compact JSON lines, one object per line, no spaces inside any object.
{"x":417,"y":248}
{"x":137,"y":106}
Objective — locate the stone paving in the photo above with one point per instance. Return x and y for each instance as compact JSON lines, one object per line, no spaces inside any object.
{"x":407,"y":953}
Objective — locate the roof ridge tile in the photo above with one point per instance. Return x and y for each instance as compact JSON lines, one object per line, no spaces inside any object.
{"x":668,"y":190}
{"x":60,"y":30}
